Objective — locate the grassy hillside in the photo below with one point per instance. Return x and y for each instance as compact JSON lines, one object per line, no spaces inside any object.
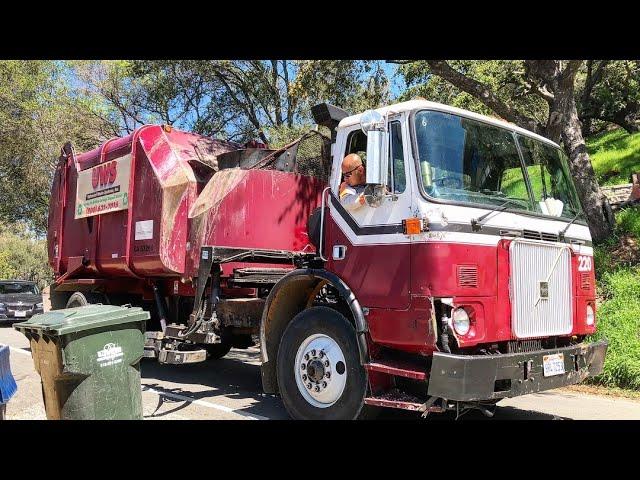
{"x":618,"y":312}
{"x":615,"y":155}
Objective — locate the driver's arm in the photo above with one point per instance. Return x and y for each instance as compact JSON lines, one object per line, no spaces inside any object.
{"x":350,"y":199}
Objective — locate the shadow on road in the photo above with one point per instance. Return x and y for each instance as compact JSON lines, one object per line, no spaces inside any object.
{"x":236,"y":376}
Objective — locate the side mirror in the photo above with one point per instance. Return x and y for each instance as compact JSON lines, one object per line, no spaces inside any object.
{"x":374,"y":126}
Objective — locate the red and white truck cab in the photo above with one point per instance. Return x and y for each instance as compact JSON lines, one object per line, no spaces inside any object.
{"x":465,"y":278}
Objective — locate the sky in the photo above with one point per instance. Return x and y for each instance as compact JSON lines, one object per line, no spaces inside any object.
{"x":397,"y":84}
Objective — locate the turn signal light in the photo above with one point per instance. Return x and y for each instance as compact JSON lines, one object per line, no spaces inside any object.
{"x":166,"y":128}
{"x":413,"y":226}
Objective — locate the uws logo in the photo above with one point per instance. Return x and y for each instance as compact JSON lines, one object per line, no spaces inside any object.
{"x":104,"y":174}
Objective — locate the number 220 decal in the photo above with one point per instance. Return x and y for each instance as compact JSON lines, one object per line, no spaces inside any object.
{"x":584,"y":263}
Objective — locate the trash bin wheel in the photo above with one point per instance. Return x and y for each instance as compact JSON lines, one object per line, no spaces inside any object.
{"x":81,"y":299}
{"x":218,"y":350}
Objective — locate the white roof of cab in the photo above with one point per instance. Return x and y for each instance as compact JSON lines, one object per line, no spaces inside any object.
{"x":426,"y":105}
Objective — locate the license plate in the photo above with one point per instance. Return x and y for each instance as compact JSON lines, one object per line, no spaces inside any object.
{"x":20,"y":313}
{"x":553,"y":364}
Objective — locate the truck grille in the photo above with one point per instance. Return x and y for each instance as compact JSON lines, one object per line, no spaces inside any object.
{"x":540,"y":301}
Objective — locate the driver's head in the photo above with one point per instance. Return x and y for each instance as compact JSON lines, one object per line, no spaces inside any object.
{"x":353,"y":170}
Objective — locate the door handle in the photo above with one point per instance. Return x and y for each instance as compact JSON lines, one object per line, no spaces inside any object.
{"x":339,"y":252}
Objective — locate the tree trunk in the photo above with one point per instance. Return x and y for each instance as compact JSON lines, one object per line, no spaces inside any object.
{"x":593,"y":201}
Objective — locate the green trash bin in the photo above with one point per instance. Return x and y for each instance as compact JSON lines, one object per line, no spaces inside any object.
{"x":88,"y":359}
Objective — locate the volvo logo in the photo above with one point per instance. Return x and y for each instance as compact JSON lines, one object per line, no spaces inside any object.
{"x":544,"y":289}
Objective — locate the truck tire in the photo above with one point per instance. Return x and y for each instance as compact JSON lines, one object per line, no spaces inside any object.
{"x":216,"y":351}
{"x":57,"y":300}
{"x":80,"y":299}
{"x":319,"y":350}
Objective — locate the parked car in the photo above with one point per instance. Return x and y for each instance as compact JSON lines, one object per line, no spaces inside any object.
{"x":19,"y":299}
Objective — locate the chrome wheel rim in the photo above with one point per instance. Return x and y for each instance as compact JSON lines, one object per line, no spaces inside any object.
{"x":320,"y":370}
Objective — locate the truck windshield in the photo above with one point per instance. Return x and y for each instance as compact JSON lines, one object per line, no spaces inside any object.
{"x":467,"y":161}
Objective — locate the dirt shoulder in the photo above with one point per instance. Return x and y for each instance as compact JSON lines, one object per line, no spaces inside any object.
{"x":603,"y":391}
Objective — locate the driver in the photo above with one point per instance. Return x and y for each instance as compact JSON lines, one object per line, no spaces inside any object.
{"x":354,"y":179}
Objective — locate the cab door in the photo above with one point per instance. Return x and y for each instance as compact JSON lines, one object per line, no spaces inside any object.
{"x":367,"y":247}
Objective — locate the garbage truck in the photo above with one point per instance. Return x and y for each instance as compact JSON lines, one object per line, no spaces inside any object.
{"x":465,"y":276}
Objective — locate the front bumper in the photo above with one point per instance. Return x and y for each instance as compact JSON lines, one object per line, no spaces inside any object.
{"x":490,"y":377}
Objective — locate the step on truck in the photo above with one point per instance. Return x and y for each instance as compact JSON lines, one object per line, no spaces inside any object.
{"x":466,"y":275}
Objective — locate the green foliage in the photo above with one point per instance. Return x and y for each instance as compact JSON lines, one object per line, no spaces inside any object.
{"x":23,"y":257}
{"x":615,"y":155}
{"x":283,"y":134}
{"x":628,"y":221}
{"x":37,"y":116}
{"x":619,"y":322}
{"x":608,"y":91}
{"x":234,"y":99}
{"x":610,"y":255}
{"x":506,"y":78}
{"x":618,"y":317}
{"x":44,"y":104}
{"x":604,"y":260}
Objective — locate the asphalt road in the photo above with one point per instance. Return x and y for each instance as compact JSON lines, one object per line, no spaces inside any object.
{"x":230,"y":388}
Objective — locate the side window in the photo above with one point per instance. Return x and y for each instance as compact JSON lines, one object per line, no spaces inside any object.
{"x":397,"y":176}
{"x":357,"y":143}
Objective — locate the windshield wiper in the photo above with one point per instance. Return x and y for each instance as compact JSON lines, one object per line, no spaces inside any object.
{"x":475,"y":222}
{"x":564,"y":230}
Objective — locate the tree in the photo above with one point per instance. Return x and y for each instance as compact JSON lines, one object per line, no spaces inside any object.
{"x":22,"y":257}
{"x":44,"y":104}
{"x":608,"y":92}
{"x":37,"y":115}
{"x":553,"y":82}
{"x":238,"y":99}
{"x":504,"y":80}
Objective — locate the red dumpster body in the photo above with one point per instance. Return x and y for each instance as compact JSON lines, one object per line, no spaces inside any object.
{"x":173,"y":205}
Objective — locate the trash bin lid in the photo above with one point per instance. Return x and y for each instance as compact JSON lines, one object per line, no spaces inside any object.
{"x":69,"y":320}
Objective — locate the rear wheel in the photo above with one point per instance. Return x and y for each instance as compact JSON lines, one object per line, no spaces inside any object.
{"x":319,"y":371}
{"x":81,"y":299}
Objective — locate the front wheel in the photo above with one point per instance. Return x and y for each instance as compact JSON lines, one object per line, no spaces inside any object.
{"x":319,"y":371}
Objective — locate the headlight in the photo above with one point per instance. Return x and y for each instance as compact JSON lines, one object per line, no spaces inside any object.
{"x":38,"y":305}
{"x":2,"y":307}
{"x":461,"y":322}
{"x":591,"y":317}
